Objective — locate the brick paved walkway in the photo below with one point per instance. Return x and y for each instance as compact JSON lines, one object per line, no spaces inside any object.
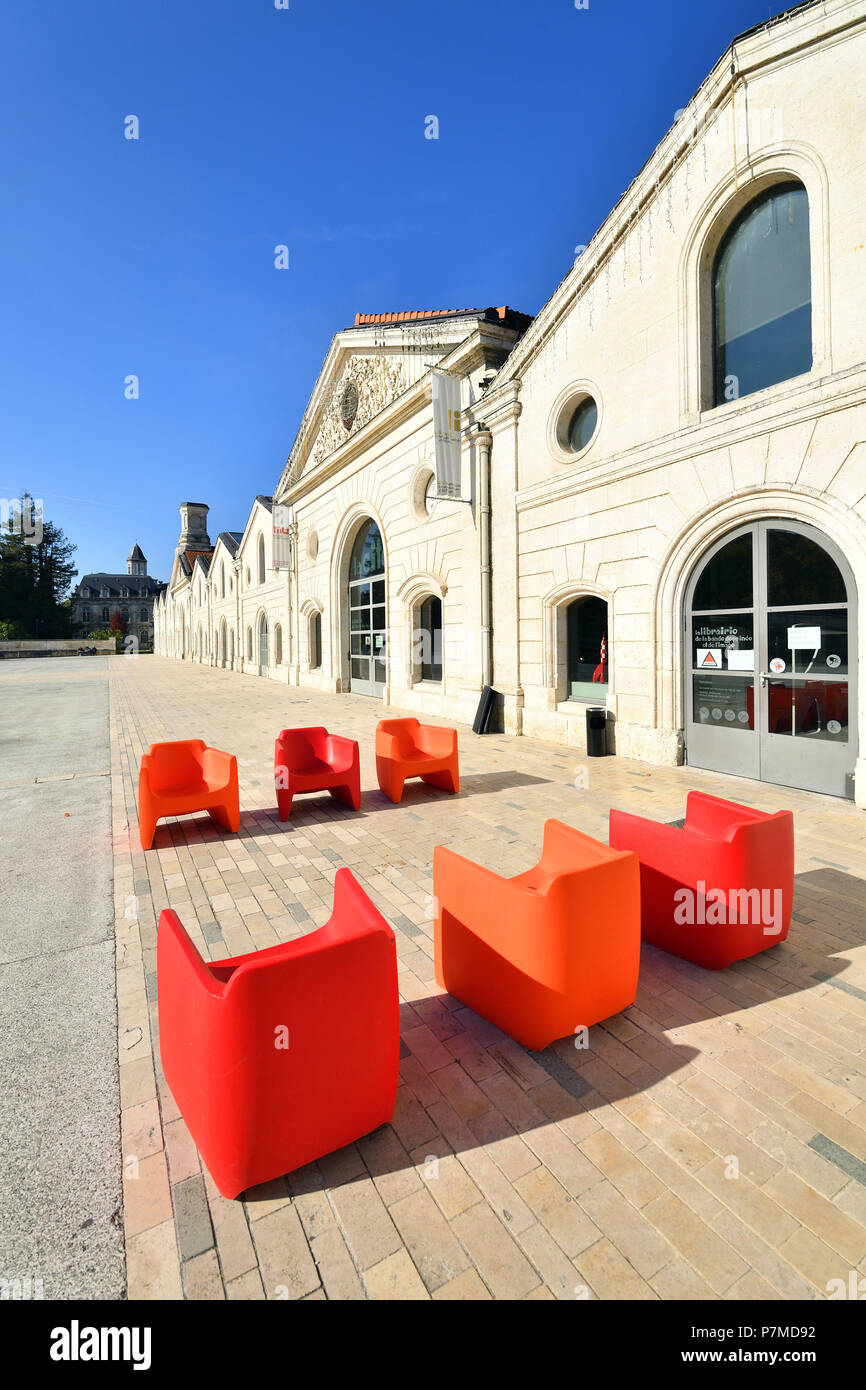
{"x":605,"y":1171}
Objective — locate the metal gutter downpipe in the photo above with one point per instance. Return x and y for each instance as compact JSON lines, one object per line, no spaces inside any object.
{"x":483,"y":440}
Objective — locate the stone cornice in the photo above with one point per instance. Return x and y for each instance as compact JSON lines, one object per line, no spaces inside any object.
{"x":701,"y":438}
{"x":497,"y":407}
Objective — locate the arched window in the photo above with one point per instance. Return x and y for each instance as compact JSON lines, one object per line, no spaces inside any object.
{"x":586,"y":642}
{"x":249,"y":644}
{"x":124,"y":613}
{"x":105,"y":615}
{"x":427,"y":640}
{"x":142,"y":615}
{"x":368,"y":553}
{"x":315,"y":641}
{"x":222,"y":581}
{"x":278,"y":644}
{"x":232,"y":647}
{"x":261,"y":559}
{"x":762,"y":295}
{"x":85,"y":615}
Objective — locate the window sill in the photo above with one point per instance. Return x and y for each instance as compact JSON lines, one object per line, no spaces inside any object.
{"x":580,"y":702}
{"x":767,"y":395}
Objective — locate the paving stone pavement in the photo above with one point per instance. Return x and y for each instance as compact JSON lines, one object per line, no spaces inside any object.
{"x":603,"y":1173}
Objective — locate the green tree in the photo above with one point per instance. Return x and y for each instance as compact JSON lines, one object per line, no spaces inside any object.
{"x":35,"y":576}
{"x":104,"y":634}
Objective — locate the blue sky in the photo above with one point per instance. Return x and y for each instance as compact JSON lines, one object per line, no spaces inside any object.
{"x":303,"y":127}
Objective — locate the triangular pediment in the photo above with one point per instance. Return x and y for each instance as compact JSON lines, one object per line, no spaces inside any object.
{"x":367,"y":368}
{"x":362,"y":385}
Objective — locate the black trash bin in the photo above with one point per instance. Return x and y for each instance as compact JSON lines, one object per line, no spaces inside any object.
{"x":596,"y":732}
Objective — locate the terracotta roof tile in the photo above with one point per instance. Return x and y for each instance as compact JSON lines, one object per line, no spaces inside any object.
{"x":407,"y":315}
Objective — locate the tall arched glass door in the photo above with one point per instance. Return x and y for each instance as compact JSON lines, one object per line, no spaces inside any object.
{"x":263,"y":647}
{"x":367,"y":621}
{"x":770,"y":633}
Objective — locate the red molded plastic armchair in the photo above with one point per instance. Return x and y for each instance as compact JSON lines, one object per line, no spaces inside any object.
{"x":177,"y":778}
{"x":281,"y":1056}
{"x":405,"y":748}
{"x":547,"y":952}
{"x":312,"y":760}
{"x":719,"y":889}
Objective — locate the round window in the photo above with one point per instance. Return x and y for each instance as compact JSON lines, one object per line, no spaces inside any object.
{"x":582,"y":425}
{"x":423,"y":493}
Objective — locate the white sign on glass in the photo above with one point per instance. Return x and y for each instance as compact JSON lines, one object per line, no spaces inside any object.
{"x":710,"y":656}
{"x":804,"y":639}
{"x":741,"y":660}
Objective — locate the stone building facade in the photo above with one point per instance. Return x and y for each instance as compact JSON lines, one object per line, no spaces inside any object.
{"x":97,"y":597}
{"x":663,"y":504}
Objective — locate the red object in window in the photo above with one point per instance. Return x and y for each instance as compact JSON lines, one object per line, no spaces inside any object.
{"x":178,"y":778}
{"x":281,"y":1056}
{"x":312,"y":760}
{"x":728,"y":862}
{"x":405,"y":748}
{"x":598,"y":673}
{"x":547,"y":952}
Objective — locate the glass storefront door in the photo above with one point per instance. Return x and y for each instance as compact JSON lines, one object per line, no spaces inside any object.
{"x":769,"y":637}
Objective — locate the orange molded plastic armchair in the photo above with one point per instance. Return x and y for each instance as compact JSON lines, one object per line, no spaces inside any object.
{"x":549,"y":951}
{"x":281,"y":1056}
{"x":178,"y":778}
{"x":405,"y":748}
{"x":312,"y":760}
{"x":719,"y":889}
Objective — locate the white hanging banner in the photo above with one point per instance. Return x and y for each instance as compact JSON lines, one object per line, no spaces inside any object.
{"x":282,"y":538}
{"x":446,"y":433}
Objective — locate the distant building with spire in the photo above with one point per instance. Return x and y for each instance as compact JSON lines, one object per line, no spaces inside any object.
{"x":97,"y":597}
